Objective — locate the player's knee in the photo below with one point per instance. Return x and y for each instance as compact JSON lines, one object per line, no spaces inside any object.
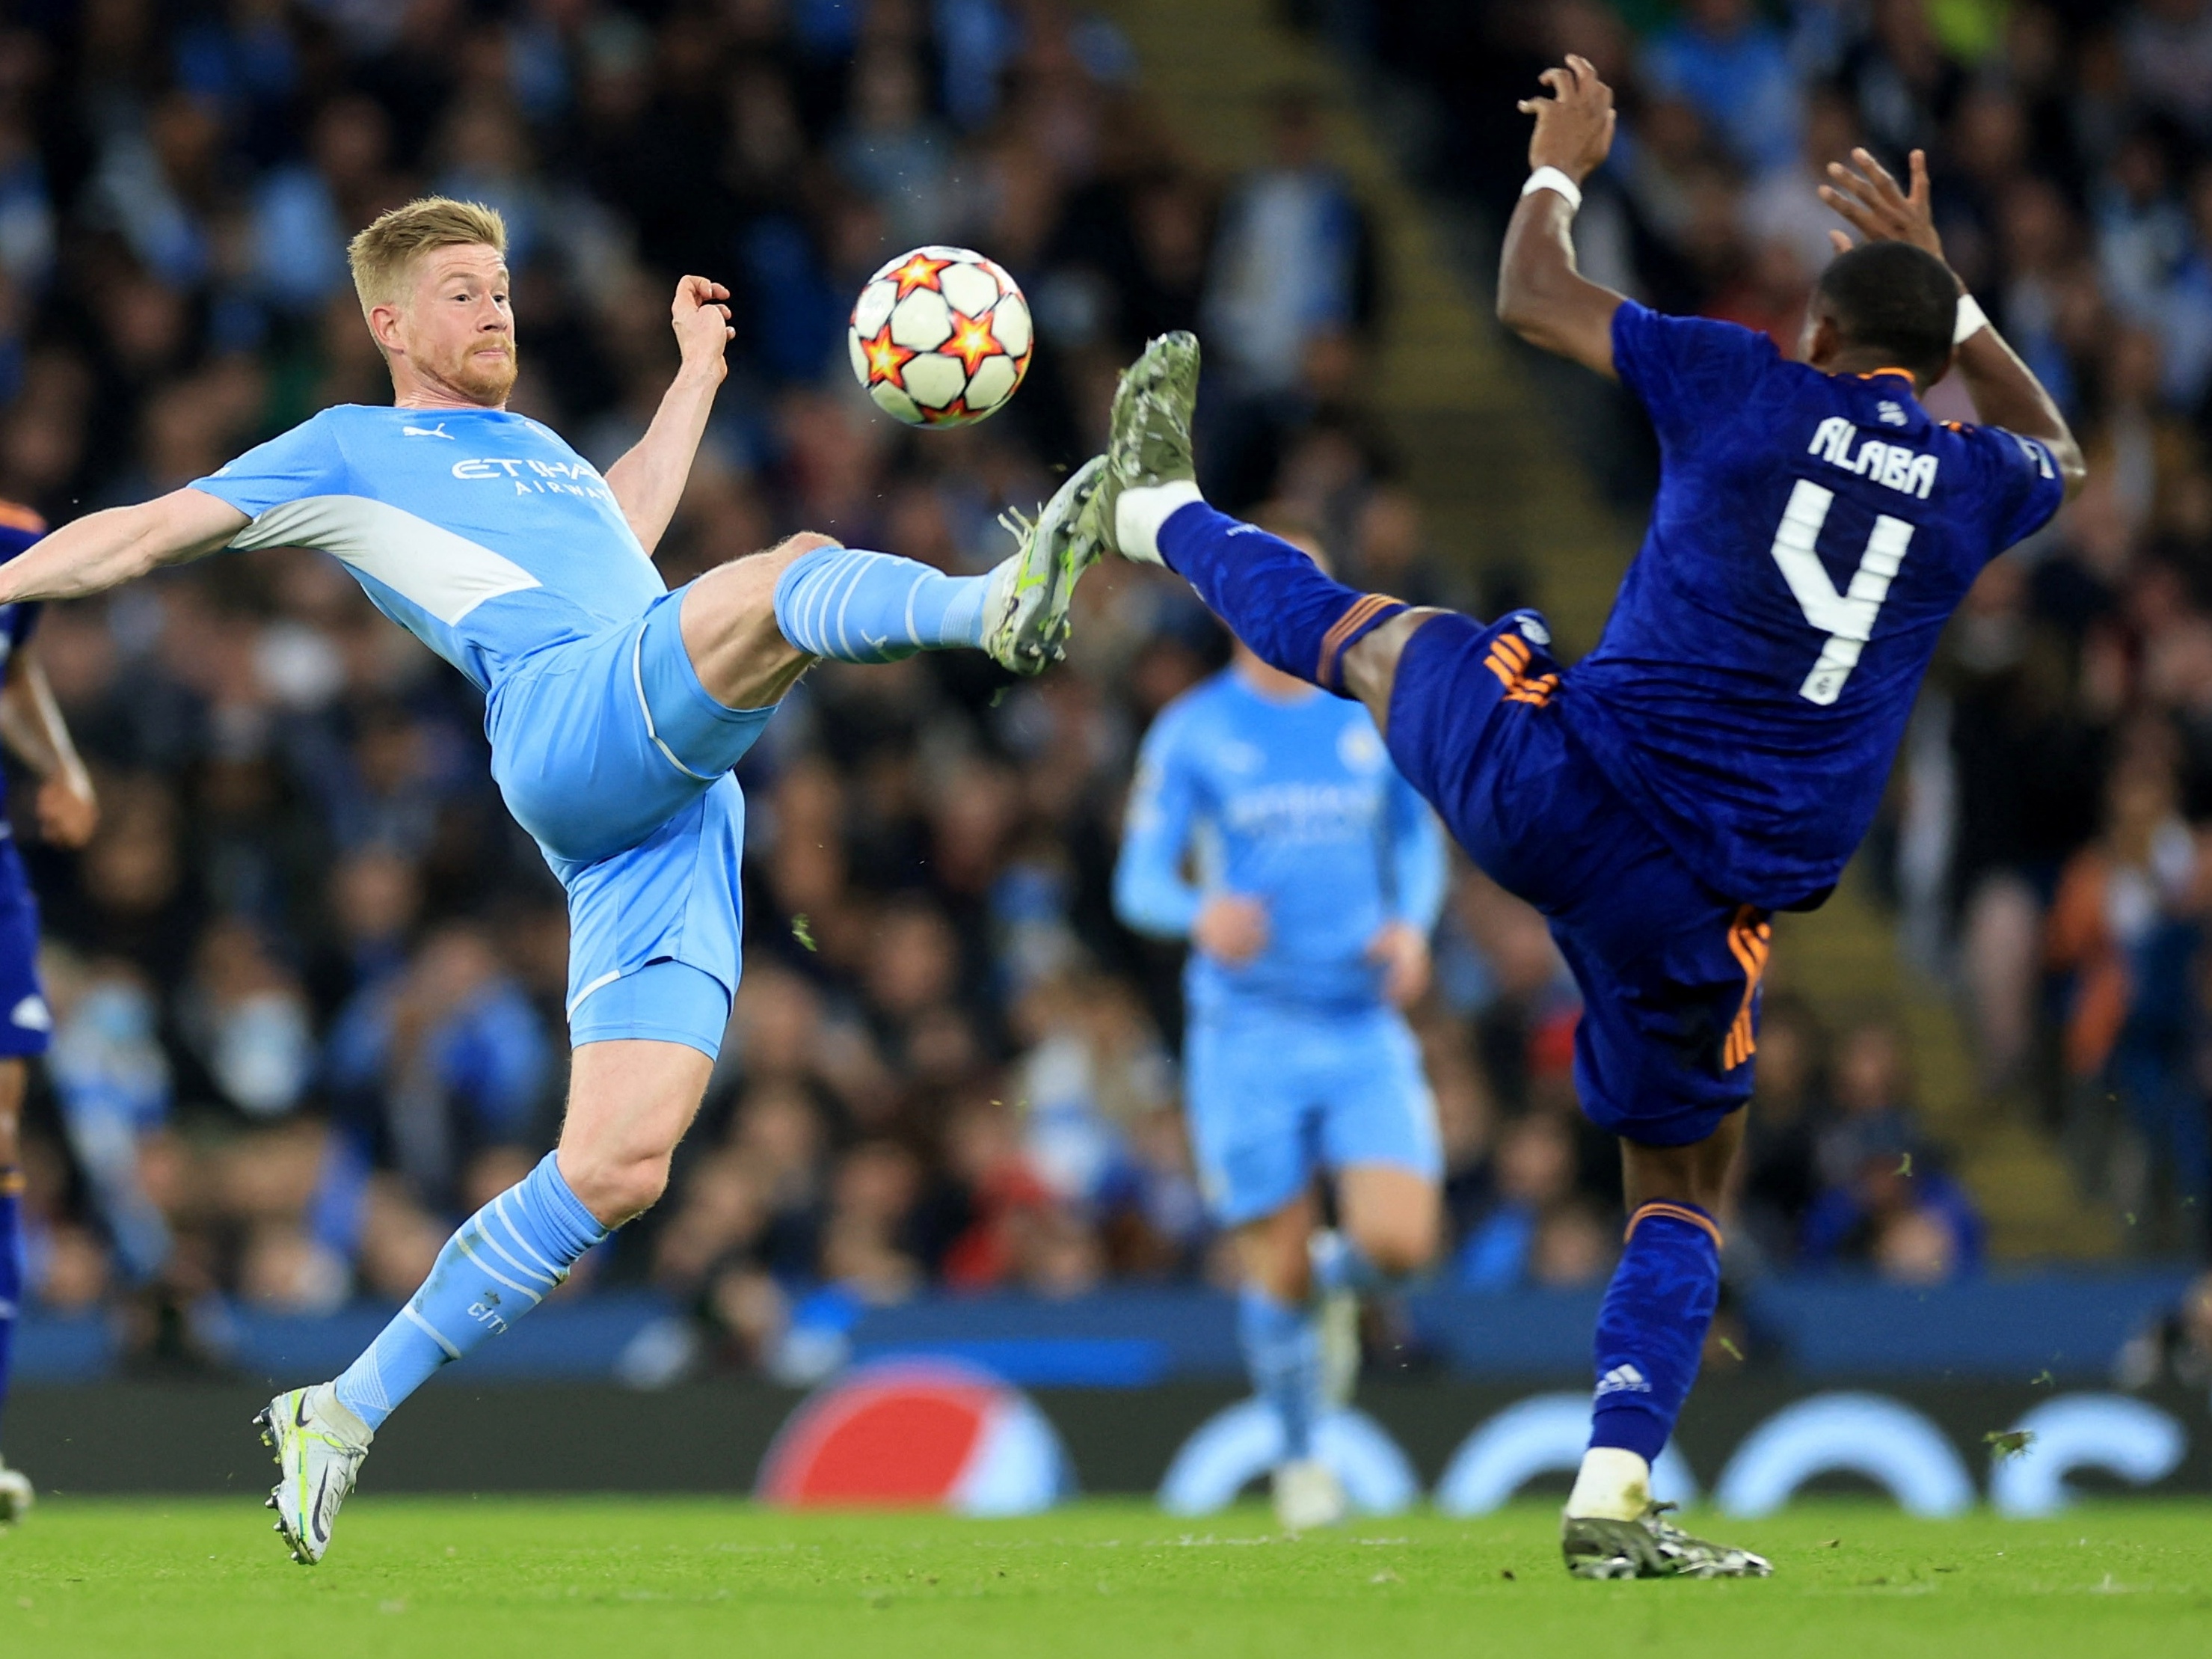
{"x":1371,"y":666}
{"x":795,"y":547}
{"x":619,"y":1185}
{"x":1402,"y":1240}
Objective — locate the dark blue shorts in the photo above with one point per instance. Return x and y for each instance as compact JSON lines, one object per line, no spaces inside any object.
{"x":1669,"y":969}
{"x":24,"y":1022}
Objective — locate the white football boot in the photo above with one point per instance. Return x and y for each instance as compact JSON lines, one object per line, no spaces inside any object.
{"x":1650,"y":1547}
{"x":320,"y":1445}
{"x":1308,"y":1495}
{"x":15,"y":1494}
{"x":1025,"y":607}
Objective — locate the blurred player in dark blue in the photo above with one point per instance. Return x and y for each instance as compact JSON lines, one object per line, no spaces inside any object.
{"x":31,"y":726}
{"x":1720,"y":755}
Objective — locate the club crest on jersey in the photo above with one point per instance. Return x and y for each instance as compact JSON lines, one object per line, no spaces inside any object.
{"x":1892,"y":466}
{"x":1359,"y":749}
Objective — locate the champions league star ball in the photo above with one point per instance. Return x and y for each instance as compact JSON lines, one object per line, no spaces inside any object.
{"x":941,"y":337}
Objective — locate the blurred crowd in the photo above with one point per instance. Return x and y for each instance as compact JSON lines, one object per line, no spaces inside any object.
{"x":307,"y":982}
{"x":2045,"y":843}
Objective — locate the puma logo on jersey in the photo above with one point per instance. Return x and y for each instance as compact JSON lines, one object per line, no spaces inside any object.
{"x":437,"y":431}
{"x":1892,"y":465}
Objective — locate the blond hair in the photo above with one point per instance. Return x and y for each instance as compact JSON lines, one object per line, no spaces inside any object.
{"x":382,"y":254}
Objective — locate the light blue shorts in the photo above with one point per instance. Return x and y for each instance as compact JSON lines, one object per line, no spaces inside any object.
{"x":1273,"y":1099}
{"x":611,"y":753}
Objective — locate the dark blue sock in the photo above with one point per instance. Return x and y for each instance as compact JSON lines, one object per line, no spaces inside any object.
{"x":11,"y":1269}
{"x":1651,"y":1330}
{"x":1273,"y":597}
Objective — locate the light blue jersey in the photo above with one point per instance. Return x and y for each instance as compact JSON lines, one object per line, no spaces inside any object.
{"x":478,"y":531}
{"x":1295,"y":1061}
{"x":490,"y":540}
{"x":1295,"y":804}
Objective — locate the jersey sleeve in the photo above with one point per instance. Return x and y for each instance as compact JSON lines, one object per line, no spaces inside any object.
{"x":303,"y":462}
{"x":1690,"y":373}
{"x":2022,"y":485}
{"x":1418,"y":870}
{"x":1151,"y":895}
{"x":19,"y":528}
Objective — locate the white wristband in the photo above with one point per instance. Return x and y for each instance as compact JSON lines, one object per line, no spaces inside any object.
{"x":1971,"y":320}
{"x":1552,"y":178}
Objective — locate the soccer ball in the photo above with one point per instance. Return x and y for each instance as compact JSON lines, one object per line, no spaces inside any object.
{"x":941,"y":337}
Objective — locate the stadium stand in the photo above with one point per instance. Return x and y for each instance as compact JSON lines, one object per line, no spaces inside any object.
{"x":307,"y":981}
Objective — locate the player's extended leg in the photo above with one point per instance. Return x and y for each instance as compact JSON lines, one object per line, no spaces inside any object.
{"x":1282,"y":1337}
{"x":15,"y":1488}
{"x":1651,"y":1336}
{"x":752,"y":626}
{"x":629,"y":1104}
{"x":1272,"y":596}
{"x":1379,"y":1140}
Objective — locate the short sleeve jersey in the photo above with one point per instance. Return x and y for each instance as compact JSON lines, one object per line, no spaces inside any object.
{"x":1812,"y":535}
{"x":479,"y":531}
{"x":1295,"y":804}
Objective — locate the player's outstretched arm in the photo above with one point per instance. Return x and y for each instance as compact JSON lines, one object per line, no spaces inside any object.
{"x":1541,"y":295}
{"x":649,"y":482}
{"x":2005,"y":391}
{"x":104,"y":549}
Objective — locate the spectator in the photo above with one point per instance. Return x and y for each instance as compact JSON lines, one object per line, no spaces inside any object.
{"x":1884,"y":1202}
{"x":2176,"y":1349}
{"x":1295,"y":260}
{"x":1730,"y":65}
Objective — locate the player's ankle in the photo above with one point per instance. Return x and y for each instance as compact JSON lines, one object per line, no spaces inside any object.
{"x":1142,"y":510}
{"x":1613,"y":1484}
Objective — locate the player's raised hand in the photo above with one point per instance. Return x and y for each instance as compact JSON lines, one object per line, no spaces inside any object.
{"x":1868,"y":195}
{"x":702,"y":321}
{"x":1574,"y":126}
{"x":1230,"y":928}
{"x":69,"y":811}
{"x":1401,"y":951}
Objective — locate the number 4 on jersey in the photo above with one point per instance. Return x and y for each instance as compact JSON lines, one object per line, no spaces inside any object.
{"x":1847,"y":619}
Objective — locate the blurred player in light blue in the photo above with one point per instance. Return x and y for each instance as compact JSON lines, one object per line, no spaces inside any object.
{"x":616,"y":710}
{"x":1317,"y":875}
{"x":31,"y":726}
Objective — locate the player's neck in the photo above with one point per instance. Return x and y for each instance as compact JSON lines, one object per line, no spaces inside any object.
{"x":420,"y":397}
{"x":1867,"y":364}
{"x":1265,"y":681}
{"x":413,"y":391}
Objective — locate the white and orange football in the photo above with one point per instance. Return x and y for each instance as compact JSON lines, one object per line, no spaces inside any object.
{"x":941,"y":337}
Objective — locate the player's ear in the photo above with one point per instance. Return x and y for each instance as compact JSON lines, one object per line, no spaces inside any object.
{"x":1821,"y":339}
{"x":384,"y":327}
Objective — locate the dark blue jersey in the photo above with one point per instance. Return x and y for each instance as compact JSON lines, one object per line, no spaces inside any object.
{"x":19,"y":528}
{"x":1812,"y":535}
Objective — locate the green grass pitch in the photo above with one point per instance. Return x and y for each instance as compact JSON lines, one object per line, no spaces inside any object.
{"x":548,"y":1578}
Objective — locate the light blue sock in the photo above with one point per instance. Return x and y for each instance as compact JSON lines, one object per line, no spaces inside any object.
{"x":502,"y":1263}
{"x":1282,"y":1350}
{"x":873,"y":607}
